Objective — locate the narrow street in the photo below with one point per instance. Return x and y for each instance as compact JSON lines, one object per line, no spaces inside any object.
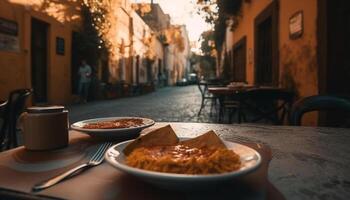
{"x":173,"y":104}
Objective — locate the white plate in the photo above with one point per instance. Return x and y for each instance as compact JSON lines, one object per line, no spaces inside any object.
{"x":116,"y":133}
{"x":250,"y":160}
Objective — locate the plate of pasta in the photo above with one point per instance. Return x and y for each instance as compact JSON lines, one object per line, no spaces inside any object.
{"x":163,"y":159}
{"x":113,"y":127}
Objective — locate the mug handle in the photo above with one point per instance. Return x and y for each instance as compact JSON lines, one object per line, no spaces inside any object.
{"x":22,"y":117}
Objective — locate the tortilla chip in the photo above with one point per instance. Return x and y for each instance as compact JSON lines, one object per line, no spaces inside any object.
{"x":159,"y":137}
{"x":208,"y":139}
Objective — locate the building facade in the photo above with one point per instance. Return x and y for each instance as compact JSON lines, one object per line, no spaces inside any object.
{"x":35,"y":48}
{"x":142,"y":39}
{"x":290,"y":44}
{"x":39,"y":48}
{"x":123,"y":36}
{"x":176,"y":45}
{"x":178,"y":53}
{"x":185,"y":55}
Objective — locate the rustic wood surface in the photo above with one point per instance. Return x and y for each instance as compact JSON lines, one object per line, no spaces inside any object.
{"x":307,"y":163}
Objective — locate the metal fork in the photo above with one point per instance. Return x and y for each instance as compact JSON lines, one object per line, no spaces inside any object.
{"x":95,"y":160}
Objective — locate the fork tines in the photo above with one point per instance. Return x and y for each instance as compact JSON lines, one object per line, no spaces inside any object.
{"x":101,"y":150}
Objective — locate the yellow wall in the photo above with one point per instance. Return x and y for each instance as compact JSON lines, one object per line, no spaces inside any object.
{"x":297,"y":58}
{"x":142,"y":46}
{"x":14,"y":73}
{"x":62,"y":17}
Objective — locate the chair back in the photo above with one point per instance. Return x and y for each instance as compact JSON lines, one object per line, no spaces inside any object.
{"x":203,"y":87}
{"x":3,"y":118}
{"x":15,"y":106}
{"x":269,"y":104}
{"x":317,"y":103}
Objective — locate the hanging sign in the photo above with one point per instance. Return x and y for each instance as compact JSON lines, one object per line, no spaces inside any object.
{"x":296,"y":25}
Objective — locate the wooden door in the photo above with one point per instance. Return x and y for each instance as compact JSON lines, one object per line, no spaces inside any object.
{"x":338,"y":68}
{"x":266,"y":46}
{"x":149,"y":71}
{"x":137,"y":70}
{"x":39,"y":60}
{"x":239,"y":60}
{"x":334,"y":55}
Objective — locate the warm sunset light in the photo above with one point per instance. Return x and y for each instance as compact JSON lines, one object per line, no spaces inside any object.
{"x":58,"y":10}
{"x":174,"y":99}
{"x":184,"y":12}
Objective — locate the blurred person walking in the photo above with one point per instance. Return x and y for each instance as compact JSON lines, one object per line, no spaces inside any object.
{"x":84,"y":81}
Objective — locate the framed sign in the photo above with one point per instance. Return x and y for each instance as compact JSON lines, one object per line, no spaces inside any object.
{"x":296,"y":25}
{"x":9,"y":35}
{"x":8,"y":27}
{"x":59,"y":46}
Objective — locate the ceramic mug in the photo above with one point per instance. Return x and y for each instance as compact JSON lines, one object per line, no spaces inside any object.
{"x":45,"y":128}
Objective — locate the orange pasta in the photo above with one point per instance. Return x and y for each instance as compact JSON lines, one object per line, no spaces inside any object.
{"x":119,"y":123}
{"x":182,"y":159}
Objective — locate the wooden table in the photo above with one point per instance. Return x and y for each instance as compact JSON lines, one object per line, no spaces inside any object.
{"x":227,"y":90}
{"x":232,"y":96}
{"x":307,"y":163}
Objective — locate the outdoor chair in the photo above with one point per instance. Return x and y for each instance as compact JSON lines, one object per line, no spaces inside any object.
{"x":14,"y":106}
{"x":3,"y":106}
{"x":203,"y":88}
{"x":269,"y":105}
{"x":318,"y":103}
{"x":230,"y":103}
{"x":230,"y":106}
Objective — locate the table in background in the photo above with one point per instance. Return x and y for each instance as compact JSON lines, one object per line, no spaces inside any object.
{"x":307,"y":163}
{"x":254,"y":98}
{"x":226,"y":92}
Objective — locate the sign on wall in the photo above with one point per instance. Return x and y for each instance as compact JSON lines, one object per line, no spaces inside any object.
{"x":8,"y":35}
{"x":296,"y":25}
{"x":59,"y":46}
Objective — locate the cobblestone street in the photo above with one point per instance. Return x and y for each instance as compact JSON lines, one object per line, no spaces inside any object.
{"x":172,"y":104}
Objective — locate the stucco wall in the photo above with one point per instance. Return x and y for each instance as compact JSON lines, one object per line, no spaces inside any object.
{"x":14,"y":73}
{"x":141,"y":33}
{"x":124,"y":42}
{"x":158,"y":50}
{"x":297,"y":58}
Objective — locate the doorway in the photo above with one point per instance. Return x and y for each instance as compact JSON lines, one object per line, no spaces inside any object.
{"x":239,"y":60}
{"x":333,"y":54}
{"x":137,"y":69}
{"x":149,"y":70}
{"x":160,"y":70}
{"x":39,"y":59}
{"x":266,"y":46}
{"x":336,"y":44}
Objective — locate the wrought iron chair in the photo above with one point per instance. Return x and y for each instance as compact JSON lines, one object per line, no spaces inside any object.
{"x":264,"y":104}
{"x":230,"y":103}
{"x":14,"y":107}
{"x":203,"y":88}
{"x":317,"y":103}
{"x":3,"y":106}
